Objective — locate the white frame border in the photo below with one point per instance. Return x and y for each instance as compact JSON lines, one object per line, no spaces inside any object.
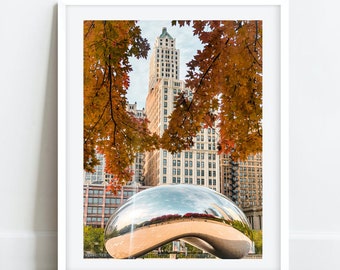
{"x":284,"y":116}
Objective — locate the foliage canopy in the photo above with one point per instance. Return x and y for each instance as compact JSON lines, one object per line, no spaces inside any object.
{"x":226,"y":80}
{"x":225,"y":77}
{"x":93,"y":239}
{"x":109,"y":127}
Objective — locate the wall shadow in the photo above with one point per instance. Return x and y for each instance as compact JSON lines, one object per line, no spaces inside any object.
{"x":45,"y":213}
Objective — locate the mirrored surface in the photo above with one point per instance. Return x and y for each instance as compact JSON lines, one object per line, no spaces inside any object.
{"x":197,"y":215}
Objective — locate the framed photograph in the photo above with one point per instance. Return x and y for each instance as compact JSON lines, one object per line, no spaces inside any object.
{"x":172,"y":135}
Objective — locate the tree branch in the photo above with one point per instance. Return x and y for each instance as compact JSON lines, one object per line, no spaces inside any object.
{"x":99,"y":119}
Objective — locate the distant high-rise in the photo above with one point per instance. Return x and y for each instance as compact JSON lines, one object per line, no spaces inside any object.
{"x":198,"y":165}
{"x":242,"y":182}
{"x":99,"y":175}
{"x":138,"y":166}
{"x":164,"y":62}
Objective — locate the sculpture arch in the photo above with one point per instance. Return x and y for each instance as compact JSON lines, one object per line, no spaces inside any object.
{"x":197,"y":215}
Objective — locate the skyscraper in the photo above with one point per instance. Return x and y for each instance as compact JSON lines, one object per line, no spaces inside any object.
{"x":138,"y":166}
{"x":241,"y":181}
{"x":198,"y":165}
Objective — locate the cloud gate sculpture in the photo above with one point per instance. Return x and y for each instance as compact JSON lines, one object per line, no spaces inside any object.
{"x":197,"y":215}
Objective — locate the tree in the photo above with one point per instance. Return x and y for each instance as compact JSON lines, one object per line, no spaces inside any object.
{"x":225,"y":77}
{"x":94,"y":239}
{"x":257,"y":238}
{"x":226,"y":80}
{"x":108,"y":127}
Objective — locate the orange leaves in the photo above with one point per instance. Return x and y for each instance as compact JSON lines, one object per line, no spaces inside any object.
{"x":114,"y":186}
{"x":226,"y":78}
{"x":108,"y":126}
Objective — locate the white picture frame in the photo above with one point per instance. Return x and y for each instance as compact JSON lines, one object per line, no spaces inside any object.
{"x":71,"y":15}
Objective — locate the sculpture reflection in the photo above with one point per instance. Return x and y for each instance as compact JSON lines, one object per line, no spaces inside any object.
{"x":198,"y":215}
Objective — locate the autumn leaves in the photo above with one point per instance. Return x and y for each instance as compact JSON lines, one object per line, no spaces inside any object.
{"x":108,"y":127}
{"x":225,"y":77}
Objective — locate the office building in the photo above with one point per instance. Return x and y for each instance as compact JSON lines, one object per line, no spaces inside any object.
{"x":242,"y":182}
{"x":198,"y":165}
{"x":138,"y":166}
{"x":100,"y":204}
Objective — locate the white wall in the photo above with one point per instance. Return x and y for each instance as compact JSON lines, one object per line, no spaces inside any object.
{"x":314,"y":134}
{"x":28,"y":96}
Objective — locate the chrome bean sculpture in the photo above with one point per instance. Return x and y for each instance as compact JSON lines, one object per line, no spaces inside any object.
{"x":197,"y":215}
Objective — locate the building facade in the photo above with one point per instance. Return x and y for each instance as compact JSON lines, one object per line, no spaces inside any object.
{"x":100,"y":204}
{"x":99,"y":175}
{"x":138,"y":166}
{"x":198,"y":165}
{"x":241,"y":181}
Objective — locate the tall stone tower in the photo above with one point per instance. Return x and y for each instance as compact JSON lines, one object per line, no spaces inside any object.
{"x":164,"y":61}
{"x":198,"y":165}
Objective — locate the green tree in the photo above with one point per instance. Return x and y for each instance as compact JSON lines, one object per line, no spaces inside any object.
{"x":257,"y":238}
{"x":94,"y":239}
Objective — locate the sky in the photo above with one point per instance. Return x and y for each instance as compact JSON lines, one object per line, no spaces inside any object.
{"x":185,"y":42}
